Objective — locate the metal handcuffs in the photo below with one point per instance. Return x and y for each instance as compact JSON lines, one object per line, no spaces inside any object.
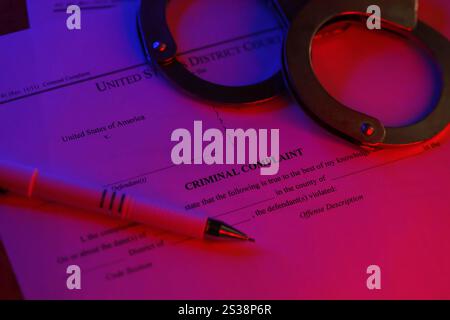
{"x":304,"y":19}
{"x":161,"y":48}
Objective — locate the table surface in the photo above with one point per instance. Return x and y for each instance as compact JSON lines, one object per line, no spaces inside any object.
{"x":9,"y":288}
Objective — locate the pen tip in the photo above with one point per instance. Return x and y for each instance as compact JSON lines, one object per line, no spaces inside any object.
{"x":222,"y":230}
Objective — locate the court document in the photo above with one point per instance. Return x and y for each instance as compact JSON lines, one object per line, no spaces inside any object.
{"x":86,"y":105}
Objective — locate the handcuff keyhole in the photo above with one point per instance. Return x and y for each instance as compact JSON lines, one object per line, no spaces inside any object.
{"x":367,"y":129}
{"x":159,"y":46}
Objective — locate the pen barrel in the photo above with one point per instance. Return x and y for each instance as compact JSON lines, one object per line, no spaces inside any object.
{"x":166,"y":218}
{"x":33,"y":184}
{"x":17,"y":179}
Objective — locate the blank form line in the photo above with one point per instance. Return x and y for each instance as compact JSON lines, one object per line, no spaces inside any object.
{"x":377,"y":166}
{"x":242,"y":222}
{"x":245,"y":207}
{"x":140,"y":176}
{"x":87,"y":8}
{"x":181,"y":241}
{"x":105,"y":265}
{"x":90,"y":5}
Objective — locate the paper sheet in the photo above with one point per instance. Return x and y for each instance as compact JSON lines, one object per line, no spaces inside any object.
{"x":332,"y":210}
